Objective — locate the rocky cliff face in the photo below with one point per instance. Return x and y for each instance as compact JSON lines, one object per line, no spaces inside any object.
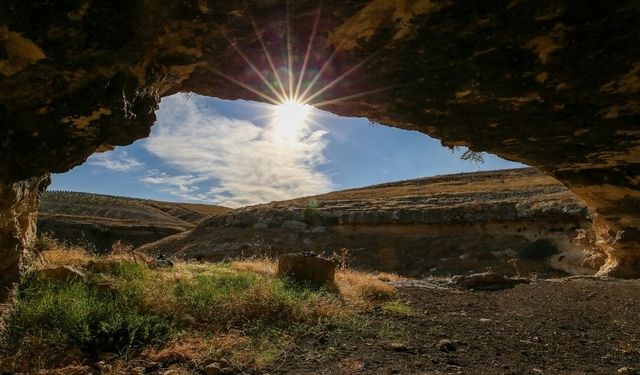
{"x":512,"y":221}
{"x":550,"y":83}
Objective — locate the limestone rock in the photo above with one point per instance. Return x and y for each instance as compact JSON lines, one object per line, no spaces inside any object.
{"x":312,"y":269}
{"x":18,"y":216}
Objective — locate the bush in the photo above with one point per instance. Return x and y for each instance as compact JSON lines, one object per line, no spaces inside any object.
{"x":311,"y":214}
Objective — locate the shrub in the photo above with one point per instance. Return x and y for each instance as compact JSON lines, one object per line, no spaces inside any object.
{"x":311,"y":214}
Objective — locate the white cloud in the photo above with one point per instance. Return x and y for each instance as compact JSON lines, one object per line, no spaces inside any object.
{"x":183,"y":186}
{"x":117,"y":160}
{"x":242,"y":163}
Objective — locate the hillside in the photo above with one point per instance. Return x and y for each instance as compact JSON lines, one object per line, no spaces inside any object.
{"x":103,"y":219}
{"x":513,"y":220}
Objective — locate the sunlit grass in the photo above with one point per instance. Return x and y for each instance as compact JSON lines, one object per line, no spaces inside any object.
{"x":238,"y":312}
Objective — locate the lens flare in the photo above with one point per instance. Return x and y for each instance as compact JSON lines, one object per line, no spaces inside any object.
{"x":290,"y":117}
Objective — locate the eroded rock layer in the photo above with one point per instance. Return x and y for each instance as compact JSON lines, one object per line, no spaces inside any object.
{"x":511,"y":221}
{"x":551,"y":83}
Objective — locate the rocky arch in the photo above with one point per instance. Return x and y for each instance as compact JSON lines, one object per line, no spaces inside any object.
{"x":551,"y":83}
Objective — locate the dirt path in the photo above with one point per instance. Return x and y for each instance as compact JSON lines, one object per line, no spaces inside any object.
{"x":566,"y":326}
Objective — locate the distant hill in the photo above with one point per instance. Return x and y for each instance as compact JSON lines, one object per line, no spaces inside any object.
{"x":104,"y":219}
{"x":439,"y":225}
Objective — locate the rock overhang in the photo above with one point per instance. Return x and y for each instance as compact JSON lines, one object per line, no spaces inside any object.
{"x":552,"y":84}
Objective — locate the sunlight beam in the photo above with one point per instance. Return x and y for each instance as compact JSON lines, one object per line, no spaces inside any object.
{"x":266,"y":52}
{"x":246,"y":87}
{"x":253,"y":67}
{"x":303,"y":70}
{"x":352,"y":96}
{"x":342,"y":76}
{"x":289,"y":47}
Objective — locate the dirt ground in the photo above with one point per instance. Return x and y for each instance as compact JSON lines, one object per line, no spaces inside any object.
{"x":560,"y":326}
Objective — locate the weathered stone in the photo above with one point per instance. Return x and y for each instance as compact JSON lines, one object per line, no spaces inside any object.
{"x":313,"y":269}
{"x":60,"y":273}
{"x":18,"y":216}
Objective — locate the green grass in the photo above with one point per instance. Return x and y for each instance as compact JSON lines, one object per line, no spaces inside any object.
{"x":74,"y":314}
{"x":398,"y":308}
{"x":221,"y":312}
{"x":146,"y":307}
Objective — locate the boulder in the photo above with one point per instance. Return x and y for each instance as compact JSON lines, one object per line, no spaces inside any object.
{"x":306,"y":268}
{"x":60,"y":273}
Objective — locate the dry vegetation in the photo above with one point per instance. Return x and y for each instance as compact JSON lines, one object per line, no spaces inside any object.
{"x":125,"y":312}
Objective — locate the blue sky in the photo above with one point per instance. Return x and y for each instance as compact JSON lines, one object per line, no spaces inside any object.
{"x":233,"y":153}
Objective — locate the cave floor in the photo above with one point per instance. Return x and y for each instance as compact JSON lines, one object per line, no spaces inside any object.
{"x":577,"y":325}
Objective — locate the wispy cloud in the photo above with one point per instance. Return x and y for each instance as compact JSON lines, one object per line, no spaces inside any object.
{"x":117,"y":160}
{"x":233,"y":162}
{"x":183,"y":186}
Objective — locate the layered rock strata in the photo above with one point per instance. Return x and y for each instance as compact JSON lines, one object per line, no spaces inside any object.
{"x":512,"y":221}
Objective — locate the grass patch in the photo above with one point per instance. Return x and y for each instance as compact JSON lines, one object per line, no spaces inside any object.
{"x":237,"y":313}
{"x":73,"y":315}
{"x":397,"y":308}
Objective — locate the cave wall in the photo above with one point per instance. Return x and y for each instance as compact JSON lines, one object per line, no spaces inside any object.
{"x":550,"y":83}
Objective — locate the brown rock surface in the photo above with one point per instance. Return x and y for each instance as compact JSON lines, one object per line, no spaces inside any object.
{"x":309,"y":268}
{"x":18,"y":215}
{"x":553,"y":84}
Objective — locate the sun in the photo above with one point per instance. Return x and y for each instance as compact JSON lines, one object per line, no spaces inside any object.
{"x":290,"y":116}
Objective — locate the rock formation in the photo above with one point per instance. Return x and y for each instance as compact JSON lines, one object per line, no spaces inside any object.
{"x":550,"y":83}
{"x":441,"y":225}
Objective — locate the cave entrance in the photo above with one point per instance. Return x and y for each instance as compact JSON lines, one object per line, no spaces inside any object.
{"x":233,"y":154}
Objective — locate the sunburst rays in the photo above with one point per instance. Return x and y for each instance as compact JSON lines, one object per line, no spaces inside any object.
{"x":295,"y":90}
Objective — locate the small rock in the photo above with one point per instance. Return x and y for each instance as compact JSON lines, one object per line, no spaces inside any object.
{"x":446,"y":346}
{"x":213,"y":369}
{"x":306,"y":268}
{"x":60,"y":273}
